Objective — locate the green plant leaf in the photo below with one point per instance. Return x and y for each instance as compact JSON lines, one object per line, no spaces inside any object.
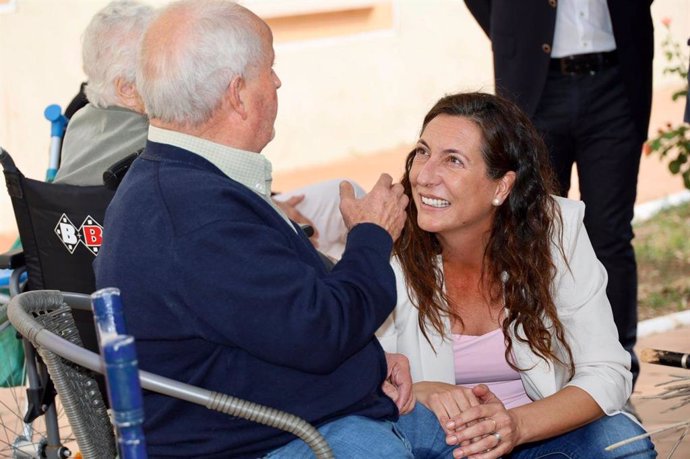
{"x":674,"y":166}
{"x":678,"y":94}
{"x":671,"y":141}
{"x":655,"y":144}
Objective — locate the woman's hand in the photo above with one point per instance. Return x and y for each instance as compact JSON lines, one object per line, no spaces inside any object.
{"x":486,"y":430}
{"x":446,"y":401}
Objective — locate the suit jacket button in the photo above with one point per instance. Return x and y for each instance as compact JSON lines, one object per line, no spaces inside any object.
{"x":546,"y":48}
{"x":553,"y":3}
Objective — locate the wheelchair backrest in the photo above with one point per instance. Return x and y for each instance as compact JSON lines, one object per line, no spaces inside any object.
{"x":60,"y":227}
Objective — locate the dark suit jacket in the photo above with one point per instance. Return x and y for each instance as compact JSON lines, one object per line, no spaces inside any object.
{"x":521,"y":34}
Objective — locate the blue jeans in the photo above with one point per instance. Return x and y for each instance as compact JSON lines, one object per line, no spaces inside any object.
{"x":415,"y":435}
{"x":589,"y":441}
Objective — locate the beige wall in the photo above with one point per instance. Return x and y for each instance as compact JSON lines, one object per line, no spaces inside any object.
{"x":347,"y":94}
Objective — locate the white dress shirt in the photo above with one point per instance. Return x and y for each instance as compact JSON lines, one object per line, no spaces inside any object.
{"x":582,"y":26}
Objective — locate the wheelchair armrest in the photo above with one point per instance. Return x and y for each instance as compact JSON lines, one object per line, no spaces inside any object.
{"x":12,"y":259}
{"x":115,"y":173}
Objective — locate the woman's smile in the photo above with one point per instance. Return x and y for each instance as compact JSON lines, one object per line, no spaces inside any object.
{"x":434,"y":202}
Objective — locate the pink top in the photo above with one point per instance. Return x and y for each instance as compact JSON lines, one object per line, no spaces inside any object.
{"x":481,"y":360}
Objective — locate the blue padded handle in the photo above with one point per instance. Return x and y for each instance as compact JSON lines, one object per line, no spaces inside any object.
{"x":124,"y":391}
{"x":107,"y":314}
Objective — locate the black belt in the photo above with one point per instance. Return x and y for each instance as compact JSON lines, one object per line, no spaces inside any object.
{"x":584,"y":64}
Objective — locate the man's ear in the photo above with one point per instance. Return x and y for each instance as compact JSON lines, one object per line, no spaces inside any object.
{"x":234,"y":96}
{"x":505,"y":186}
{"x":128,"y":95}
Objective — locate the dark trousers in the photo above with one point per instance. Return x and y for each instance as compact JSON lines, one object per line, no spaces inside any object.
{"x":586,"y":120}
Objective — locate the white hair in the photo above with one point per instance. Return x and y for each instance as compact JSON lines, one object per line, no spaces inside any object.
{"x":110,"y":46}
{"x":183,"y":77}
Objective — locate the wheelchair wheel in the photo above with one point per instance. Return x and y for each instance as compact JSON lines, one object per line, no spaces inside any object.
{"x":22,"y":440}
{"x":18,"y":439}
{"x":44,"y":435}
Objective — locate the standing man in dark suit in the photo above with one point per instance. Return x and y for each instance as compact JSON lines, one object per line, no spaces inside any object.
{"x":583,"y":71}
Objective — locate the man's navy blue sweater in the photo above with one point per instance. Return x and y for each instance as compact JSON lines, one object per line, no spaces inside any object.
{"x":221,"y":293}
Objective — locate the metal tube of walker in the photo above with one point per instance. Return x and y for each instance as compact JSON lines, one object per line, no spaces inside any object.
{"x":58,"y":123}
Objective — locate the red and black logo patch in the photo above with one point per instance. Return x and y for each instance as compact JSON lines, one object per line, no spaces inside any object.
{"x":89,"y":234}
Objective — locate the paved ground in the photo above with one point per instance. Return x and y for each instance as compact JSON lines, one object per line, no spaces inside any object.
{"x":656,"y":413}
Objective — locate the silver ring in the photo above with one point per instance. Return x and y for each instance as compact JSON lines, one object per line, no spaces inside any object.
{"x":498,"y":438}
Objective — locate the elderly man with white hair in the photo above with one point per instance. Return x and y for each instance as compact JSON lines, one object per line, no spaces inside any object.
{"x":112,"y":125}
{"x":222,"y":291}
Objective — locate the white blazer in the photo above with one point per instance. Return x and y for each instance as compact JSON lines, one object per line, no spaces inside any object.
{"x":602,"y":366}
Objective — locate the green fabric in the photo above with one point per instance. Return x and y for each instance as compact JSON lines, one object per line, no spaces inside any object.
{"x":11,"y":352}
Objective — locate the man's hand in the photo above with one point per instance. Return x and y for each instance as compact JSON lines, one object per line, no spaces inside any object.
{"x":384,"y":205}
{"x":398,"y":383}
{"x":290,"y":209}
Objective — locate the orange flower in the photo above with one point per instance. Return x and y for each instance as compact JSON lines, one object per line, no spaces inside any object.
{"x":666,"y":22}
{"x":647,"y":149}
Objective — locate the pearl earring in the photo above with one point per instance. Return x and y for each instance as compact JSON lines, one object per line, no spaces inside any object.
{"x":496,"y":202}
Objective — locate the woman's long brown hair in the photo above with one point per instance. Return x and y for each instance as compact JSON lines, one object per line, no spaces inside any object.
{"x":521,"y":236}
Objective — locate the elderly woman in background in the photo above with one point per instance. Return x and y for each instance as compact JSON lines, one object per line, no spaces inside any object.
{"x":502,"y":307}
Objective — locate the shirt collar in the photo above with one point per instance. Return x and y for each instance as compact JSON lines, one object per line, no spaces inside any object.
{"x":250,"y":169}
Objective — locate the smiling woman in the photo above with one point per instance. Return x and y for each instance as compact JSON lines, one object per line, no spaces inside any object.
{"x":502,"y":307}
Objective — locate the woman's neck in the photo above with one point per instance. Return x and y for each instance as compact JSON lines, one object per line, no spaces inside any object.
{"x":464,"y":252}
{"x":469,"y":293}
